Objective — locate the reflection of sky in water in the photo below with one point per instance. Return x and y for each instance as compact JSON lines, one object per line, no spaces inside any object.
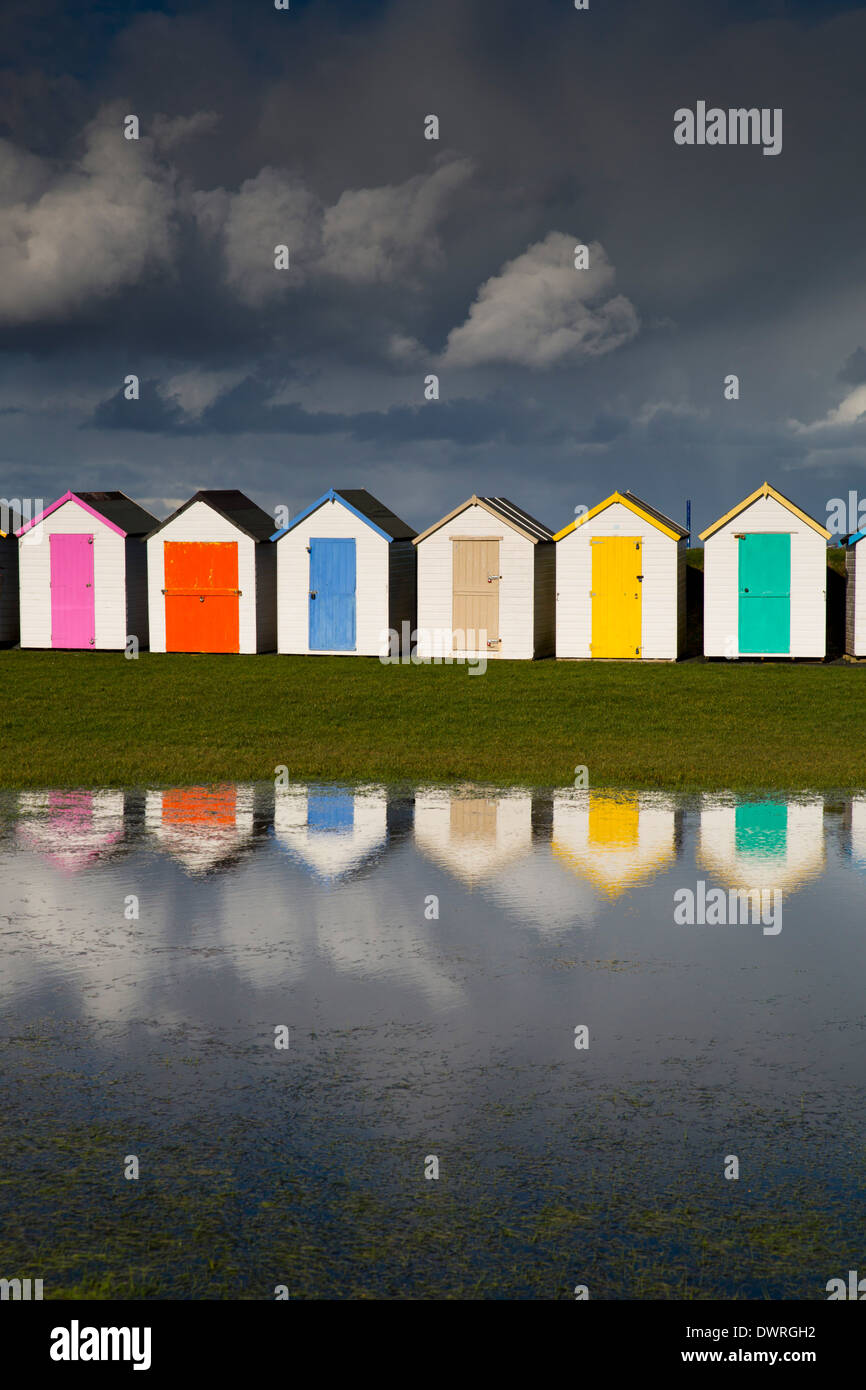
{"x":311,"y":906}
{"x":551,"y":908}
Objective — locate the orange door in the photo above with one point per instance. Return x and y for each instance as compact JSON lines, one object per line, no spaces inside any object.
{"x":202,"y":806}
{"x":201,"y":596}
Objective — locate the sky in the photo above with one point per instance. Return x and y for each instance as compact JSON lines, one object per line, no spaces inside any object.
{"x":411,"y":257}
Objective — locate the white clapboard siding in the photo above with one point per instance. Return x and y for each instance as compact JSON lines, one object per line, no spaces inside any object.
{"x":333,"y":521}
{"x":201,"y":523}
{"x":9,"y":623}
{"x":808,"y":580}
{"x":516,"y":586}
{"x":662,"y":590}
{"x":109,"y":577}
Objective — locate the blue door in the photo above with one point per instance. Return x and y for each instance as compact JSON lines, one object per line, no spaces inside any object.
{"x":332,"y":595}
{"x":329,"y":811}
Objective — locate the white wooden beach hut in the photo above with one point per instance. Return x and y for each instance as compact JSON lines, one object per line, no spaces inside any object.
{"x":486,"y":583}
{"x":212,"y":577}
{"x":345,"y":578}
{"x":613,"y":841}
{"x":473,"y":836}
{"x":763,"y":843}
{"x":621,"y":583}
{"x":204,"y":829}
{"x":765,"y":580}
{"x":82,"y":573}
{"x":333,"y":831}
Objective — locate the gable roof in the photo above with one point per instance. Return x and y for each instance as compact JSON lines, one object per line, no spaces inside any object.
{"x":766,"y":490}
{"x":634,"y":504}
{"x":365,"y":506}
{"x":503,"y":510}
{"x":853,"y":538}
{"x":117,"y":507}
{"x":117,"y":510}
{"x":234,"y":506}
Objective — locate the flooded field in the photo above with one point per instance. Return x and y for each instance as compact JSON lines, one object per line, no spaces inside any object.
{"x":372,"y":1042}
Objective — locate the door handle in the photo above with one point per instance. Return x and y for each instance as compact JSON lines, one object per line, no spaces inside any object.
{"x":745,"y":591}
{"x":313,"y":593}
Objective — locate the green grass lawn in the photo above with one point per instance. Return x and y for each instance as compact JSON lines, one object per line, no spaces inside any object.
{"x":96,"y":719}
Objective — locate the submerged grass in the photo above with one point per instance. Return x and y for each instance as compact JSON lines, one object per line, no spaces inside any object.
{"x":96,"y":719}
{"x":224,"y":1234}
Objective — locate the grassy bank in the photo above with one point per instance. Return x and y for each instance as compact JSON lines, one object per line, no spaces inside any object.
{"x":96,"y":719}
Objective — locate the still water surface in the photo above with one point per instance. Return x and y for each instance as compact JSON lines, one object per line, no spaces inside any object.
{"x":431,"y":953}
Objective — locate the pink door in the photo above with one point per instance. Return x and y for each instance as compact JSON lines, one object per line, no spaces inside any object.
{"x":73,"y":613}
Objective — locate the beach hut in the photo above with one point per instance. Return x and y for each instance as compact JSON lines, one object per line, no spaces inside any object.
{"x":82,"y":573}
{"x":486,"y":583}
{"x":333,"y":832}
{"x":763,"y":843}
{"x":621,"y":583}
{"x":204,"y":829}
{"x":765,"y":580}
{"x":8,"y":588}
{"x":212,"y":577}
{"x":616,"y":842}
{"x":74,"y":830}
{"x":855,"y":596}
{"x":345,"y":578}
{"x":473,"y":836}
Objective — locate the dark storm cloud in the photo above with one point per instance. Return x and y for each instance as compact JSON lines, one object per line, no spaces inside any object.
{"x":411,"y":256}
{"x":246,"y":408}
{"x":854,"y":369}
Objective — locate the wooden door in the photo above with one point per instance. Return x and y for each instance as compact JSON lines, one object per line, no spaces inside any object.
{"x":616,"y":596}
{"x":333,"y":582}
{"x":73,"y":601}
{"x":202,"y":598}
{"x":764,"y":584}
{"x":475,"y":601}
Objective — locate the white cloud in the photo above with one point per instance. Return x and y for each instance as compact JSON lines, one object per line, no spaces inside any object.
{"x":539,"y":311}
{"x":195,"y":390}
{"x":848,"y":412}
{"x":381,"y":235}
{"x":272,"y":209}
{"x":169,"y":131}
{"x":369,"y":236}
{"x":84,"y":233}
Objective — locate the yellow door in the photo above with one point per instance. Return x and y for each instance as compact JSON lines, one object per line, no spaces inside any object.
{"x":616,"y":596}
{"x":612,"y":820}
{"x":475,"y":605}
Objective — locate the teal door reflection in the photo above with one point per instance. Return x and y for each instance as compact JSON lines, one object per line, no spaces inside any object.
{"x":762,"y":828}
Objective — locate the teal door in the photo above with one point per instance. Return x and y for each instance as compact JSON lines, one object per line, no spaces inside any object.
{"x":761,"y":828}
{"x":765,"y":594}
